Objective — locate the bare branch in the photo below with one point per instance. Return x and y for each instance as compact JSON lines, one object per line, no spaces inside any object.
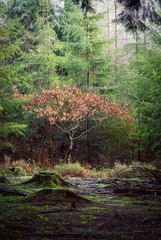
{"x":100,"y":121}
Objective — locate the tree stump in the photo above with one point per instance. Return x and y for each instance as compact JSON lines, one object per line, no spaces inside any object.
{"x":47,"y":179}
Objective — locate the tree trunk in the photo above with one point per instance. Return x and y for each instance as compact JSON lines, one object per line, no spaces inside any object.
{"x":32,"y":138}
{"x":70,"y":150}
{"x":87,"y":140}
{"x":49,"y":139}
{"x":137,"y":39}
{"x":108,"y":19}
{"x":88,"y":79}
{"x":88,"y":86}
{"x":115,"y":25}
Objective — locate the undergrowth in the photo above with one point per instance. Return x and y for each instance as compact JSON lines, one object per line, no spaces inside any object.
{"x":74,"y":169}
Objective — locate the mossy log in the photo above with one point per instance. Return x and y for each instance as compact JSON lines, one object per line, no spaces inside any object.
{"x":47,"y":179}
{"x":7,"y":192}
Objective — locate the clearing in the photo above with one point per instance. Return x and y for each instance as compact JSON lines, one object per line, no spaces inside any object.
{"x":87,"y":209}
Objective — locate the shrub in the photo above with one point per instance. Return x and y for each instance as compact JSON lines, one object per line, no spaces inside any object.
{"x":129,"y":171}
{"x":76,"y":170}
{"x":119,"y":170}
{"x":73,"y":169}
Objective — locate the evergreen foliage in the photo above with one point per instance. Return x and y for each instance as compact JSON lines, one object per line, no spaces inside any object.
{"x":136,"y":13}
{"x":10,"y":110}
{"x":42,"y":45}
{"x":149,"y":98}
{"x":36,"y":66}
{"x":84,"y":48}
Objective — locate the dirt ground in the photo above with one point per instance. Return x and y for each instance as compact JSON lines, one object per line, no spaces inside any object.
{"x":104,"y":215}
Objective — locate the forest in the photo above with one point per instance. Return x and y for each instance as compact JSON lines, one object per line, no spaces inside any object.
{"x":80,"y":98}
{"x":44,"y":44}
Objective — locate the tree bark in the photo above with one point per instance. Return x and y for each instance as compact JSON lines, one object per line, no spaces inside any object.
{"x":70,"y":150}
{"x":49,"y":139}
{"x":87,"y":140}
{"x":137,"y":38}
{"x":115,"y":25}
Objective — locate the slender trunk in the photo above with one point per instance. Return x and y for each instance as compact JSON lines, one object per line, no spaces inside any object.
{"x":70,"y":150}
{"x":87,"y":121}
{"x":88,"y":60}
{"x":32,"y":139}
{"x":115,"y":25}
{"x":49,"y":139}
{"x":108,"y":22}
{"x":87,"y":140}
{"x":108,"y":19}
{"x":88,"y":86}
{"x":137,"y":38}
{"x":139,"y":156}
{"x":88,"y":79}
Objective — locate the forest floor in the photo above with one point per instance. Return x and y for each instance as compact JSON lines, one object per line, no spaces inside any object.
{"x":105,"y":215}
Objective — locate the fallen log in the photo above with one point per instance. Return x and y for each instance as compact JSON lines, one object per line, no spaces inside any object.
{"x":7,"y":192}
{"x":133,"y":191}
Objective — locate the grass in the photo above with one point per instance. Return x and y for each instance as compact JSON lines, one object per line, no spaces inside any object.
{"x":72,"y":169}
{"x":128,"y":171}
{"x":22,"y":167}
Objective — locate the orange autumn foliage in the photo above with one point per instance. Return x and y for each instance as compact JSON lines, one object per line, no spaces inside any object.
{"x":70,"y":104}
{"x":88,"y":166}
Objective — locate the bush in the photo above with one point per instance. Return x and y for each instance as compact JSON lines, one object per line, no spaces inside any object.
{"x":128,"y":171}
{"x":73,"y":169}
{"x":76,"y":170}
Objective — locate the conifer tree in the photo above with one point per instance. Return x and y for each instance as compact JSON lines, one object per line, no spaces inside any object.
{"x":84,"y":47}
{"x":135,"y":13}
{"x":11,"y":121}
{"x":37,"y":65}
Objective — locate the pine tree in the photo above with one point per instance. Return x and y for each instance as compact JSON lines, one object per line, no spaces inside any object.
{"x":36,"y":67}
{"x":136,"y":13}
{"x":85,"y":49}
{"x":11,"y":121}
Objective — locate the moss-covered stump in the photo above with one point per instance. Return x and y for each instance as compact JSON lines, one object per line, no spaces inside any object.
{"x":47,"y":179}
{"x":61,"y":196}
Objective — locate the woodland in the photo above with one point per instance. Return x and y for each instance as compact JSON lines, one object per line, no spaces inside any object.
{"x":80,"y":119}
{"x":44,"y":45}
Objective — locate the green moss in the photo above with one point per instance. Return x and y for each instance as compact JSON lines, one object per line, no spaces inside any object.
{"x":3,"y":179}
{"x":48,"y":179}
{"x":57,"y":195}
{"x":14,"y":171}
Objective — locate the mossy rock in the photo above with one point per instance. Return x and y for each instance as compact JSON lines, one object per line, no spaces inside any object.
{"x":3,"y":179}
{"x":15,"y":171}
{"x":63,"y":196}
{"x":48,"y":179}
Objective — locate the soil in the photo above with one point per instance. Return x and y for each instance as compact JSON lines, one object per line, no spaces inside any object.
{"x":91,"y":211}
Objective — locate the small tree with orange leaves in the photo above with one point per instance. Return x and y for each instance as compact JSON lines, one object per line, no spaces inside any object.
{"x":68,"y":107}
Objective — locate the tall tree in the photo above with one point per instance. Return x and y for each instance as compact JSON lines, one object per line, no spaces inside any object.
{"x":85,"y":5}
{"x":85,"y":49}
{"x":136,"y":12}
{"x":11,"y":121}
{"x":37,"y":64}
